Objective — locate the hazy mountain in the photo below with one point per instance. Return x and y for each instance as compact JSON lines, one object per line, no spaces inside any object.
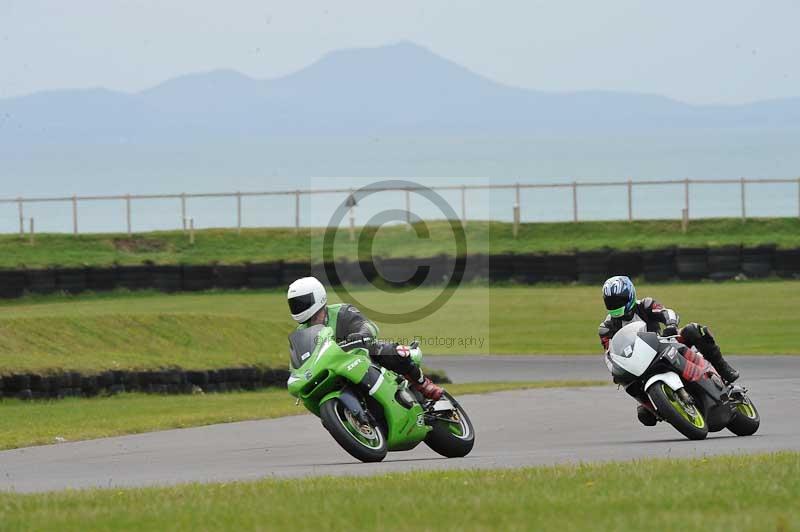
{"x":401,"y":89}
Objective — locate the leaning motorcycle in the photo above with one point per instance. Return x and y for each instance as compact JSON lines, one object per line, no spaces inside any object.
{"x":370,"y":410}
{"x":685,"y":389}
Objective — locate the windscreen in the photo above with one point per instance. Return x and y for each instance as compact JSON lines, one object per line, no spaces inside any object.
{"x":626,"y":337}
{"x":302,"y":343}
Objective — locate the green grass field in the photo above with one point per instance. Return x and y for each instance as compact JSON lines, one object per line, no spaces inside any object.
{"x":151,"y":330}
{"x":260,"y":245}
{"x":749,"y":492}
{"x":26,"y":423}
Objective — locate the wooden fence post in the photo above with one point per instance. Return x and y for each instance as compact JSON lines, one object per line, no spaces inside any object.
{"x":744,"y":207}
{"x":516,"y":211}
{"x":239,"y":213}
{"x":464,"y":205}
{"x":297,"y":210}
{"x":686,"y":198}
{"x":630,"y":200}
{"x":183,"y":211}
{"x":21,"y":218}
{"x":128,"y":213}
{"x":74,"y":214}
{"x":574,"y":201}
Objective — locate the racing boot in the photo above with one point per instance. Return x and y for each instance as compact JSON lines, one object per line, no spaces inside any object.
{"x":426,"y":387}
{"x":646,"y":416}
{"x":725,"y":370}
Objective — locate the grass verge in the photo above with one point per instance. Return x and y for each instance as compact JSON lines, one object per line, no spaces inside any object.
{"x":26,"y":423}
{"x":761,"y":494}
{"x":262,"y":245}
{"x":151,"y":330}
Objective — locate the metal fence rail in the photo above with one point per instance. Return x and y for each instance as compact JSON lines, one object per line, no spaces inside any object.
{"x":183,"y":198}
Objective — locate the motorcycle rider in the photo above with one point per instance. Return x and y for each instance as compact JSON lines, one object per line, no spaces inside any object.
{"x":619,"y":296}
{"x":308,"y":306}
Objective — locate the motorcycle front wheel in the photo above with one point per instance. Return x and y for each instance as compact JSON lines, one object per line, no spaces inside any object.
{"x":452,"y":436}
{"x":745,"y":421}
{"x":686,"y":418}
{"x":363,"y":441}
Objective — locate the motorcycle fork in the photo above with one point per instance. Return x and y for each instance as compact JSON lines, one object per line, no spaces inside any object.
{"x":685,"y":396}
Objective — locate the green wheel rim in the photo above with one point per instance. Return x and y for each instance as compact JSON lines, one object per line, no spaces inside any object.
{"x":694,"y":416}
{"x":456,"y":430}
{"x":747,"y":409}
{"x":373,"y":441}
{"x":461,"y":429}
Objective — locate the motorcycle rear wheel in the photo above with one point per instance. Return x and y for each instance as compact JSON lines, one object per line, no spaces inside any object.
{"x":745,"y":421}
{"x":689,"y":421}
{"x":365,"y":442}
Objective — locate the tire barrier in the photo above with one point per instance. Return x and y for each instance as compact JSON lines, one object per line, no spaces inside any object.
{"x":71,"y":280}
{"x":692,"y":263}
{"x":657,"y":265}
{"x":265,"y":275}
{"x":101,"y":279}
{"x":230,"y":277}
{"x":441,"y":270}
{"x":593,"y":266}
{"x":291,"y":271}
{"x":41,"y":281}
{"x":724,"y":263}
{"x":403,"y":272}
{"x":135,"y":277}
{"x":501,"y":267}
{"x":170,"y":381}
{"x":758,"y":261}
{"x":12,"y":283}
{"x":167,"y":279}
{"x":787,"y":263}
{"x":197,"y":278}
{"x":475,"y":267}
{"x":628,"y":263}
{"x":529,"y":268}
{"x":561,"y":268}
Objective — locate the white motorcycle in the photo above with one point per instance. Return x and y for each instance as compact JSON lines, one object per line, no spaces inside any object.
{"x":684,"y":388}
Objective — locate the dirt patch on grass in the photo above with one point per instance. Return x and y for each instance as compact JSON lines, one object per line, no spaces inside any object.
{"x":139,"y":245}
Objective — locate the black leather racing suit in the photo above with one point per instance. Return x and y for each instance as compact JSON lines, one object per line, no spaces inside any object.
{"x":648,"y":310}
{"x":350,"y":324}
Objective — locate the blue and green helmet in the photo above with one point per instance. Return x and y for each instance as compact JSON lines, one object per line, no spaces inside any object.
{"x":619,"y":295}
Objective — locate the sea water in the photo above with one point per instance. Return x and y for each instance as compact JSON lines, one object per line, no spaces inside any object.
{"x":322,"y":163}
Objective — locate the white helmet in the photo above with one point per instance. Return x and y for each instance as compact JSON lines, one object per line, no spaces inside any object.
{"x":306,"y":296}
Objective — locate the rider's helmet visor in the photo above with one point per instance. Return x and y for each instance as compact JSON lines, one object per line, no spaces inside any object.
{"x":616,"y":304}
{"x":302,"y":303}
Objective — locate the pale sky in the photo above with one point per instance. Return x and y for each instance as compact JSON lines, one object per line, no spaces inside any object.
{"x":711,"y":51}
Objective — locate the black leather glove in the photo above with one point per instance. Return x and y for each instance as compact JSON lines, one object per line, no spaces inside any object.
{"x":670,"y":330}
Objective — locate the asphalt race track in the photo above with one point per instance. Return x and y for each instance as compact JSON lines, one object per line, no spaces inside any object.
{"x":514,"y":429}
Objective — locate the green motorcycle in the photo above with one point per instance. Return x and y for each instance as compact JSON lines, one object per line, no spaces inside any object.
{"x":368,"y":409}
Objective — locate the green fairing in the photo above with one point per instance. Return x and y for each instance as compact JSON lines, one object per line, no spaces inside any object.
{"x":324,"y":375}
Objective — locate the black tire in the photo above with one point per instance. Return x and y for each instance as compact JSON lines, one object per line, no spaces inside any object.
{"x":445,"y":442}
{"x":335,"y":419}
{"x":662,"y":397}
{"x":746,"y":419}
